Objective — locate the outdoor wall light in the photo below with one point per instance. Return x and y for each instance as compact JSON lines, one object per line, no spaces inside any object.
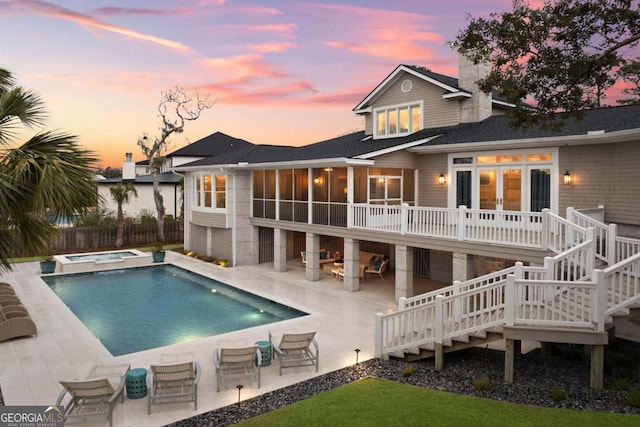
{"x":317,"y":180}
{"x":567,"y":178}
{"x":442,"y":179}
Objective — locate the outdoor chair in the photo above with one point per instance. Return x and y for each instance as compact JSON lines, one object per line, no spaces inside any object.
{"x":361,"y":273}
{"x":378,"y":269}
{"x":15,"y":322}
{"x":176,"y":382}
{"x":6,"y":300}
{"x":234,"y":364}
{"x":93,"y":398}
{"x":296,"y":350}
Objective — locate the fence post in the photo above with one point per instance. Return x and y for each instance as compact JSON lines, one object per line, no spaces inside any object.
{"x":462,"y":220}
{"x":545,"y":229}
{"x":599,"y":308}
{"x":404,"y":218}
{"x":510,"y":301}
{"x":457,"y":304}
{"x":378,"y":335}
{"x":612,"y":250}
{"x":402,"y":303}
{"x":550,"y":274}
{"x":439,"y":320}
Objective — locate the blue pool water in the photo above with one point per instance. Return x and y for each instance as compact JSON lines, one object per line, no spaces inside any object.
{"x":136,"y":309}
{"x":105,"y":256}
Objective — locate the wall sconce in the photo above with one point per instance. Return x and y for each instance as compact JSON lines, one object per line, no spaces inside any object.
{"x":567,"y":178}
{"x":317,"y":180}
{"x":381,"y":180}
{"x":346,"y":190}
{"x":442,"y":180}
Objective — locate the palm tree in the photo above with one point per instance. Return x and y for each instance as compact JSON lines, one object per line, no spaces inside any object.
{"x":121,"y":194}
{"x":48,"y":175}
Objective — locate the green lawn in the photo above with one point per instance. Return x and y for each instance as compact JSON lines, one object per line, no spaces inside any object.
{"x":375,"y":402}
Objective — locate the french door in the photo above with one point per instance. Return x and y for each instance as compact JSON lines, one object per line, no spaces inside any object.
{"x":500,"y":188}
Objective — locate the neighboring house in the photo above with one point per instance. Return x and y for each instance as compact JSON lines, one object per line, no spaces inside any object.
{"x":170,"y":183}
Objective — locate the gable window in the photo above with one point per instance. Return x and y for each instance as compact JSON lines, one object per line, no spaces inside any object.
{"x":399,"y":120}
{"x":210,"y":191}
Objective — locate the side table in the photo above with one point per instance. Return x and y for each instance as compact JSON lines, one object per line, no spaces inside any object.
{"x":265,"y":352}
{"x":136,"y":383}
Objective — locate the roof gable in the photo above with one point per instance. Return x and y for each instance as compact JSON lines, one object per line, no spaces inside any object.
{"x":215,"y":144}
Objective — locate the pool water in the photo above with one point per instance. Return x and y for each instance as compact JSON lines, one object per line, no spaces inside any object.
{"x":104,"y":256}
{"x":136,"y":309}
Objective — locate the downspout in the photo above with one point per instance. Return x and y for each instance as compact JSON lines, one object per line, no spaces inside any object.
{"x":233,"y":225}
{"x":184,"y":220}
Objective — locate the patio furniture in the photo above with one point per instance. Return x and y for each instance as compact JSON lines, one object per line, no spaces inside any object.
{"x":295,"y":349}
{"x":93,"y":398}
{"x":361,"y":275}
{"x":176,"y":382}
{"x":136,"y":383}
{"x":15,"y":322}
{"x":233,"y":364}
{"x":264,"y":347}
{"x":378,"y":269}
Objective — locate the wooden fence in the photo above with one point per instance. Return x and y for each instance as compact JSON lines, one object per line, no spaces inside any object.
{"x":83,"y":239}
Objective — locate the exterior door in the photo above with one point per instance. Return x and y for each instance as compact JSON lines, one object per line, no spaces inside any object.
{"x":500,"y":188}
{"x":385,"y":190}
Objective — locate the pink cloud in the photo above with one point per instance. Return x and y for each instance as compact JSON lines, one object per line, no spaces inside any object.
{"x":54,"y":11}
{"x":386,"y":34}
{"x":115,"y":11}
{"x":285,"y":30}
{"x":240,"y":67}
{"x":271,"y":47}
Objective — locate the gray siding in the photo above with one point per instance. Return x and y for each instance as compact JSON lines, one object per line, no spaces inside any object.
{"x":430,"y":192}
{"x":209,"y":219}
{"x":399,"y":159}
{"x":220,"y":242}
{"x":606,"y":174}
{"x":437,"y":111}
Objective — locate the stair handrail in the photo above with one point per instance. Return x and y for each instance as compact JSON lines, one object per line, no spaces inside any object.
{"x":622,"y":283}
{"x":562,"y":234}
{"x":602,"y":233}
{"x":578,"y":261}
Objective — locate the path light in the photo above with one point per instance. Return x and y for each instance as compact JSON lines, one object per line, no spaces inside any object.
{"x":239,"y":387}
{"x":357,"y":350}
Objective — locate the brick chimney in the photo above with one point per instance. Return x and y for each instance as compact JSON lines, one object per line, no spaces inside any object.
{"x":128,"y":168}
{"x":478,"y":107}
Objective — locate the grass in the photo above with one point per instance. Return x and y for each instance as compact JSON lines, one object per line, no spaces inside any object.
{"x":376,"y":402}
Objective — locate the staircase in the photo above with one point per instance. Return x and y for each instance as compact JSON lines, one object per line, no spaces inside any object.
{"x":592,"y":278}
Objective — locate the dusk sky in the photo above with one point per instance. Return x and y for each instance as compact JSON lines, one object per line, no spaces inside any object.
{"x":283,"y":72}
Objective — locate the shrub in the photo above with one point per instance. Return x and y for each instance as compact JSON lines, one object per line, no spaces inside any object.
{"x":480,"y":384}
{"x":557,"y":394}
{"x":408,"y":370}
{"x":633,"y":398}
{"x":620,"y":384}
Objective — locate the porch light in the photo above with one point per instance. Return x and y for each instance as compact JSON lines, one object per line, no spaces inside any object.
{"x":346,"y":190}
{"x":442,"y":179}
{"x":567,"y":178}
{"x":317,"y":180}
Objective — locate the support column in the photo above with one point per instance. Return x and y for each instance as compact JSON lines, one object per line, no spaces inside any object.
{"x":439,"y":357}
{"x":279,"y":250}
{"x":404,"y":272}
{"x":312,"y":272}
{"x":351,"y":265}
{"x":462,"y":266}
{"x":597,"y":366}
{"x":509,"y":357}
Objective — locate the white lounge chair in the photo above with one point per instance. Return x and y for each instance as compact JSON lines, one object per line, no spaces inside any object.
{"x":93,"y":398}
{"x":175,"y":382}
{"x":296,"y":350}
{"x":233,"y":364}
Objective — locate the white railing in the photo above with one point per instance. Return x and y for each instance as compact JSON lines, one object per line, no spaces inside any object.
{"x":562,"y":234}
{"x":576,"y":263}
{"x":625,"y":248}
{"x":501,"y":227}
{"x":622,"y":282}
{"x":601,"y":231}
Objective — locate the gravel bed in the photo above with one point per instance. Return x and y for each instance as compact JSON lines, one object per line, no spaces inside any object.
{"x":568,"y":369}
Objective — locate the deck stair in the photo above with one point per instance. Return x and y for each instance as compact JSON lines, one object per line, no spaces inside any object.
{"x":591,"y":279}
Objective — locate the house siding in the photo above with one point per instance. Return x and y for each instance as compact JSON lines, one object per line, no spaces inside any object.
{"x":437,"y":111}
{"x":604,"y":174}
{"x":430,"y":192}
{"x":399,"y":159}
{"x":209,"y":219}
{"x":220,"y":242}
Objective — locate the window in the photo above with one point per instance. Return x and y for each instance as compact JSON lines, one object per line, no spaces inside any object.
{"x":399,"y":120}
{"x":210,"y":191}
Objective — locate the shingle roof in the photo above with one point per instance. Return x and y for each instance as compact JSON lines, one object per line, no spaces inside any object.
{"x":215,"y":144}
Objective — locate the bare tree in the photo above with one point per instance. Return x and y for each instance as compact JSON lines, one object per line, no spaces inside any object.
{"x":177,"y":106}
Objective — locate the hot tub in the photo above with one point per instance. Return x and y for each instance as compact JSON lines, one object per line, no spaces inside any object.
{"x":96,"y":261}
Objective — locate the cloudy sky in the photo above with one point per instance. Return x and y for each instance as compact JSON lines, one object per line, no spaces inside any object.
{"x":283,"y":72}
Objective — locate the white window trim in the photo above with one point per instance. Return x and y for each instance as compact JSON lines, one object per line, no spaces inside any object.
{"x":198,"y":197}
{"x":397,"y":107}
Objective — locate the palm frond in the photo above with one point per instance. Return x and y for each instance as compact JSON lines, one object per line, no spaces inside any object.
{"x":18,"y":108}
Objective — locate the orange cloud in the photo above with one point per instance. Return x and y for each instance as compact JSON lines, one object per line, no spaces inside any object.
{"x":285,"y":30}
{"x":271,"y":47}
{"x":240,"y":67}
{"x":54,"y":11}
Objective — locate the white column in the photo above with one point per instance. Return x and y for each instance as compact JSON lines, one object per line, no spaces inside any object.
{"x":351,"y":258}
{"x":312,"y":271}
{"x":404,"y":272}
{"x":279,"y":250}
{"x":462,"y":266}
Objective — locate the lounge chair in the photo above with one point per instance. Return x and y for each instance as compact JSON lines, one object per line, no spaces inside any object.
{"x":295,"y":350}
{"x":9,"y":300}
{"x":233,"y":364}
{"x":176,"y":382}
{"x":93,"y":398}
{"x":378,"y":269}
{"x":15,"y":322}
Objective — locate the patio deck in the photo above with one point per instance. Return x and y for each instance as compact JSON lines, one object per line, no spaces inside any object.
{"x":30,"y":368}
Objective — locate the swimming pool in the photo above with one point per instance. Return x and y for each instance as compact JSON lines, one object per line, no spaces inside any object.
{"x":136,"y":309}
